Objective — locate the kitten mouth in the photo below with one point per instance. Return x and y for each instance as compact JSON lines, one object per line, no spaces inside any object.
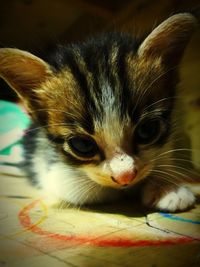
{"x":114,"y":180}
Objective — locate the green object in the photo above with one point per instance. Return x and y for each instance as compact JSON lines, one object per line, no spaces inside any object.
{"x":12,"y":116}
{"x":13,"y":123}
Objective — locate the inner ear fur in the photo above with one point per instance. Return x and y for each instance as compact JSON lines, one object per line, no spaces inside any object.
{"x":23,"y":71}
{"x":169,"y":39}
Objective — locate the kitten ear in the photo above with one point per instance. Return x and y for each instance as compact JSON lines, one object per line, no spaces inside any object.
{"x":169,"y":39}
{"x":23,"y":71}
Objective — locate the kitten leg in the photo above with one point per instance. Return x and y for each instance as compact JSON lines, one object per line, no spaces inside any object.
{"x":167,"y":198}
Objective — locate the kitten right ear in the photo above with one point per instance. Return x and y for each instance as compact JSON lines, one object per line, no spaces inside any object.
{"x":169,"y":39}
{"x":23,"y":71}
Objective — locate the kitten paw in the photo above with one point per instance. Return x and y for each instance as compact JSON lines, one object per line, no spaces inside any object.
{"x":179,"y":200}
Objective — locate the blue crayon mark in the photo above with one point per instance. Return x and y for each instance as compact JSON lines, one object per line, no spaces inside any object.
{"x":178,"y":218}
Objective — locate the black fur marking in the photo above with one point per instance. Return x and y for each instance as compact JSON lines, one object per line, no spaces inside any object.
{"x":56,"y":139}
{"x":71,"y":160}
{"x":126,"y":97}
{"x":102,"y":47}
{"x":29,"y":143}
{"x":66,"y":57}
{"x":125,"y":90}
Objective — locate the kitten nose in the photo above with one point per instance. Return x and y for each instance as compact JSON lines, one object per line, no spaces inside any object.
{"x":125,"y":178}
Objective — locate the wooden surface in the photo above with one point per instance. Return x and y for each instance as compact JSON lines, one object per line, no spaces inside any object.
{"x":31,"y":234}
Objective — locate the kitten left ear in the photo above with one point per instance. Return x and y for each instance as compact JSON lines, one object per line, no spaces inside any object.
{"x":169,"y":39}
{"x":23,"y":71}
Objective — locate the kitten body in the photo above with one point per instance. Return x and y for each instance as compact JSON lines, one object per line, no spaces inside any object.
{"x":104,"y":113}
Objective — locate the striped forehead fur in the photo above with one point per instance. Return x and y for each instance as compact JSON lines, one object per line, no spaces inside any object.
{"x":99,"y":83}
{"x":95,"y":61}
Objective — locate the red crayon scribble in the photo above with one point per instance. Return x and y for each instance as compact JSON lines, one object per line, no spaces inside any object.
{"x":25,"y":221}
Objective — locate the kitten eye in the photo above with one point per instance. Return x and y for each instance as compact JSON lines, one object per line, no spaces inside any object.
{"x":148,"y":131}
{"x":83,"y":146}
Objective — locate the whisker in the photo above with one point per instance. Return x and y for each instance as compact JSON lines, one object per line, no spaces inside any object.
{"x":71,"y":115}
{"x":160,"y":100}
{"x":47,"y":125}
{"x":142,"y":82}
{"x":175,"y":150}
{"x":166,"y":177}
{"x":49,"y":109}
{"x":82,"y":181}
{"x":177,"y":159}
{"x":171,"y":170}
{"x":178,"y":167}
{"x":84,"y":190}
{"x":73,"y":192}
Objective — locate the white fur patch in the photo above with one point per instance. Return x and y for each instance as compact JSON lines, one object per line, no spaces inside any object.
{"x":62,"y":182}
{"x":178,"y":200}
{"x":111,"y":125}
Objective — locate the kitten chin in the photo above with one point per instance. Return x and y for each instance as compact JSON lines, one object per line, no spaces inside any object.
{"x":72,"y":186}
{"x":104,"y":116}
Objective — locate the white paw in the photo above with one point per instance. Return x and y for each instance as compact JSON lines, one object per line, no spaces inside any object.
{"x":179,"y":200}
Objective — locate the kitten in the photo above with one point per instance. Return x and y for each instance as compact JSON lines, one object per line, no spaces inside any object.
{"x":103,"y":114}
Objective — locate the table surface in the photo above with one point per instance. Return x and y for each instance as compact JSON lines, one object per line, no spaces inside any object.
{"x":121,"y":234}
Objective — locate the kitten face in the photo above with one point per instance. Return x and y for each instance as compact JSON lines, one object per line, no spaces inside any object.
{"x":112,"y":136}
{"x":106,"y":105}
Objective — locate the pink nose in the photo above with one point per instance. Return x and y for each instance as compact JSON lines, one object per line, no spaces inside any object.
{"x":125,"y":178}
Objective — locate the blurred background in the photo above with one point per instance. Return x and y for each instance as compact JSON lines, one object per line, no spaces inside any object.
{"x":36,"y":25}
